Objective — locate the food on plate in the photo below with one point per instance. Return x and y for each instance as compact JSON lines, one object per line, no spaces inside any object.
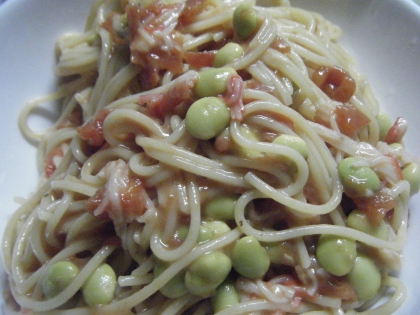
{"x":211,"y":157}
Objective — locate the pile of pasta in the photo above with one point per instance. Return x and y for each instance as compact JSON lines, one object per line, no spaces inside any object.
{"x":211,"y":156}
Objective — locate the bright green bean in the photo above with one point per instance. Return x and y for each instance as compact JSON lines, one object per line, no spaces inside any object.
{"x":58,"y":277}
{"x":411,"y":173}
{"x":249,"y":258}
{"x":99,"y":288}
{"x":212,"y":82}
{"x":293,"y":142}
{"x":245,"y":21}
{"x":336,"y":254}
{"x":365,"y":277}
{"x":358,"y":220}
{"x":221,"y":207}
{"x":217,"y":228}
{"x":358,"y":179}
{"x":227,"y":54}
{"x":225,"y":295}
{"x":205,"y":274}
{"x":175,"y":287}
{"x":204,"y":234}
{"x":207,"y":117}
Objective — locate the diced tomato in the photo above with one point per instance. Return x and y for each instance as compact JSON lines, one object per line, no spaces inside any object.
{"x":164,"y":51}
{"x":337,"y":287}
{"x":350,"y":119}
{"x":335,"y":82}
{"x":162,"y":104}
{"x":376,"y":206}
{"x":397,"y":131}
{"x":91,"y":132}
{"x":200,"y":59}
{"x":233,"y":97}
{"x":132,"y":199}
{"x":192,"y":8}
{"x":50,"y":166}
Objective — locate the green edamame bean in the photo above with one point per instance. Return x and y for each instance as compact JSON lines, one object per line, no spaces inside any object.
{"x":243,"y":151}
{"x":99,"y":288}
{"x":227,"y":54}
{"x":217,"y":228}
{"x":175,"y":287}
{"x":336,"y":254}
{"x":384,"y":123}
{"x":281,"y":252}
{"x":225,"y":295}
{"x":58,"y":277}
{"x":358,"y":179}
{"x":249,"y":258}
{"x":206,"y":273}
{"x":221,"y":207}
{"x":294,"y":142}
{"x":212,"y":82}
{"x":204,"y":234}
{"x":207,"y":117}
{"x":411,"y":173}
{"x":245,"y":21}
{"x":358,"y":220}
{"x":365,"y":278}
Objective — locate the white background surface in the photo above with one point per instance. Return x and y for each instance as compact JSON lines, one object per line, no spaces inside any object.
{"x":383,"y":35}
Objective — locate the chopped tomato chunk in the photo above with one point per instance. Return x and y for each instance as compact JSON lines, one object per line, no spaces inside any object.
{"x":154,"y":43}
{"x":335,"y":82}
{"x":92,"y":132}
{"x":397,"y":131}
{"x":350,"y":119}
{"x":376,"y":206}
{"x":200,"y":59}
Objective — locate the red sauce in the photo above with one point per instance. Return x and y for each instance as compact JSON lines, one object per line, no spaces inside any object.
{"x":201,"y":59}
{"x":376,"y":206}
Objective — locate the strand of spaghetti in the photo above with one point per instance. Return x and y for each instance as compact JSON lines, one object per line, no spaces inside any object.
{"x":72,"y":288}
{"x":302,"y":207}
{"x":293,"y":155}
{"x":127,"y":123}
{"x":190,"y":241}
{"x":255,"y":305}
{"x":116,"y":84}
{"x":258,"y":45}
{"x":277,"y":236}
{"x":190,"y":162}
{"x":90,"y":170}
{"x":172,"y":270}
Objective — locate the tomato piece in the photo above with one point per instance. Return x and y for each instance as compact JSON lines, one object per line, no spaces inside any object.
{"x":200,"y":59}
{"x":335,"y":82}
{"x":50,"y":166}
{"x":349,"y":119}
{"x":92,"y":132}
{"x":397,"y":131}
{"x":376,"y":206}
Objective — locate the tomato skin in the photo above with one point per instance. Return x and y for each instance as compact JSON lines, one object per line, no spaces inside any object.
{"x":397,"y":131}
{"x":49,"y":160}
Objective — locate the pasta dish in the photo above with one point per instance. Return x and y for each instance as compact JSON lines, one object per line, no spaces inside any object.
{"x":211,"y":157}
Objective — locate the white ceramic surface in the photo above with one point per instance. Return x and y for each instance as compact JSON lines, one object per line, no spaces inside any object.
{"x":383,"y":36}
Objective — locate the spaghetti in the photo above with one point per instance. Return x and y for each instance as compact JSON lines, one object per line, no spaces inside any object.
{"x":211,"y":157}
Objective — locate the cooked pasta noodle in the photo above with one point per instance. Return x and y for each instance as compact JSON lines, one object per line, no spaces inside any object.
{"x":211,"y":156}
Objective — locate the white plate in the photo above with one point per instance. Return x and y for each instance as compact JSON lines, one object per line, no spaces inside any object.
{"x":383,"y":35}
